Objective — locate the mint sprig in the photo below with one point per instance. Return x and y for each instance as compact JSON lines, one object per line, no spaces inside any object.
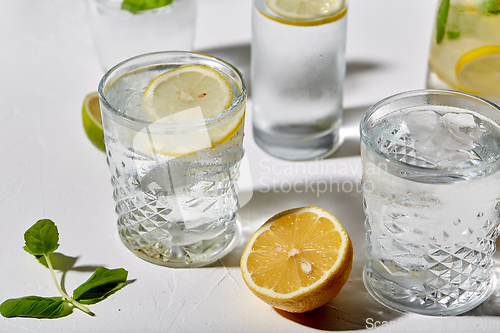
{"x":442,"y":17}
{"x":135,"y":6}
{"x":42,"y":240}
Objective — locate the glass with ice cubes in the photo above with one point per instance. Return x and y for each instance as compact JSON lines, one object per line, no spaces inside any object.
{"x":431,"y":191}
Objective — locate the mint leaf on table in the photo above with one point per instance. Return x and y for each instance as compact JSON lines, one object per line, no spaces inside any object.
{"x":41,"y":238}
{"x":100,"y":285}
{"x":135,"y":6}
{"x":33,"y":307}
{"x":442,"y":17}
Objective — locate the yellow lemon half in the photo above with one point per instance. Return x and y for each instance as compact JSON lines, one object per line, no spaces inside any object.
{"x":478,"y":71}
{"x":298,"y":260}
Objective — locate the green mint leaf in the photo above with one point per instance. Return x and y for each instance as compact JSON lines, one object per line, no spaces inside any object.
{"x":490,"y":7}
{"x":453,"y":34}
{"x":135,"y":6}
{"x":100,"y":285}
{"x":34,"y":307}
{"x":442,"y":17}
{"x":41,"y":238}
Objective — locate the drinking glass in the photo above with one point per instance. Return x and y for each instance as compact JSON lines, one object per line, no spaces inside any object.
{"x":431,"y":195}
{"x":465,"y":48}
{"x":297,"y":71}
{"x":119,"y":34}
{"x":174,"y":209}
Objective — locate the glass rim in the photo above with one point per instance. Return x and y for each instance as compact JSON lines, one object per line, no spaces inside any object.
{"x":419,"y":92}
{"x":202,"y":123}
{"x":116,"y":5}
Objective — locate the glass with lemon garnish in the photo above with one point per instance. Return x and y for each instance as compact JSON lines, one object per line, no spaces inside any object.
{"x":173,"y":124}
{"x":465,"y":48}
{"x":298,"y":69}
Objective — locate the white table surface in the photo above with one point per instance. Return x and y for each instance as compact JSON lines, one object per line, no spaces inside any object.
{"x":50,"y":170}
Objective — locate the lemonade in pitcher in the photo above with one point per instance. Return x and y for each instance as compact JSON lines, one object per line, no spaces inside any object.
{"x":465,"y":48}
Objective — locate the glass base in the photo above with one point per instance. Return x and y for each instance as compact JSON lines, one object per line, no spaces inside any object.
{"x":425,"y":310}
{"x":199,"y":254}
{"x":298,"y":150}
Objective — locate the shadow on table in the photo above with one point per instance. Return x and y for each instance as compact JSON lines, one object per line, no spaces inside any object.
{"x":63,"y":263}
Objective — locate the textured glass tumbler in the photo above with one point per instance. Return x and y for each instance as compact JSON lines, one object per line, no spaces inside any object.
{"x":297,"y":70}
{"x":119,"y":34}
{"x":431,"y":195}
{"x":175,"y":186}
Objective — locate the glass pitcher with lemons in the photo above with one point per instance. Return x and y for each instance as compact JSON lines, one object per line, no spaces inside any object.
{"x":465,"y":48}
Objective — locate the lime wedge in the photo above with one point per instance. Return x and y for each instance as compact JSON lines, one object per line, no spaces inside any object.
{"x":92,"y":121}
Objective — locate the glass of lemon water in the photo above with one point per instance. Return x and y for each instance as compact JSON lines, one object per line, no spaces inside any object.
{"x":173,"y":125}
{"x":297,"y":71}
{"x":120,"y":31}
{"x":465,"y":48}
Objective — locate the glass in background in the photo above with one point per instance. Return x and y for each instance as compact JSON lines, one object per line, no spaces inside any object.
{"x":297,"y":75}
{"x":120,"y":34}
{"x":465,"y":48}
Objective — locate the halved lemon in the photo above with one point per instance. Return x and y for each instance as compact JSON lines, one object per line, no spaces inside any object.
{"x":307,"y":10}
{"x":478,"y":71}
{"x":189,"y":93}
{"x":92,"y":121}
{"x":298,"y":260}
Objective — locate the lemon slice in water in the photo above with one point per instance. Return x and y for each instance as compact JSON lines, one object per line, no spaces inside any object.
{"x":307,"y":10}
{"x":478,"y":71}
{"x":185,"y":94}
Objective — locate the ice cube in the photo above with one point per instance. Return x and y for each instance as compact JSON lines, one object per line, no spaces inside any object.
{"x":421,"y":123}
{"x":461,"y":128}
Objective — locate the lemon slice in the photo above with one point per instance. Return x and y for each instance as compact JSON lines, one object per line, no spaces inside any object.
{"x":185,"y":94}
{"x":307,"y":10}
{"x":184,"y":88}
{"x":478,"y":71}
{"x":92,"y":121}
{"x":298,"y":260}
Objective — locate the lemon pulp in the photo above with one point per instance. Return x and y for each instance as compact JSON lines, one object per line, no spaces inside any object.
{"x":298,"y":260}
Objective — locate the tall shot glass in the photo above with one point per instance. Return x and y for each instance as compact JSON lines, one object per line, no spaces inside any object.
{"x":174,"y":179}
{"x":119,"y":34}
{"x":297,"y":74}
{"x":431,"y":191}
